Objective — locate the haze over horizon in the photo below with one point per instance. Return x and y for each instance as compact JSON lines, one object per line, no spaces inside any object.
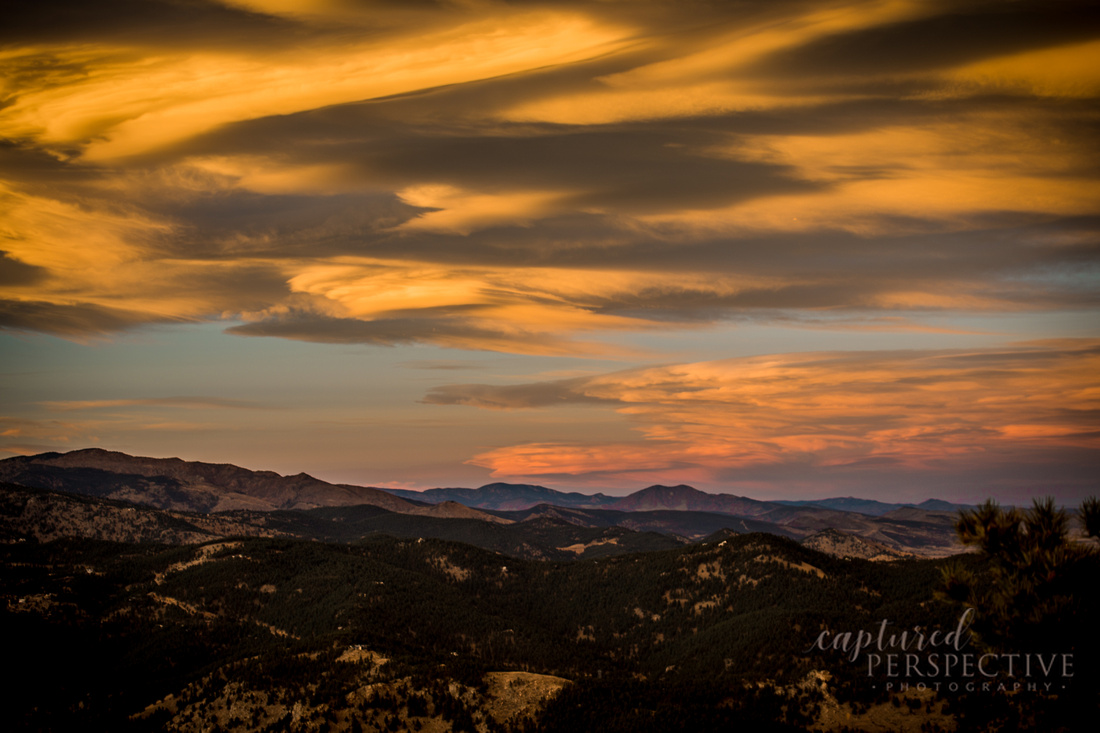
{"x":785,"y":250}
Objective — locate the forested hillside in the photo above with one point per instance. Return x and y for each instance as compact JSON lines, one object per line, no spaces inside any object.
{"x":256,"y":626}
{"x":343,"y":619}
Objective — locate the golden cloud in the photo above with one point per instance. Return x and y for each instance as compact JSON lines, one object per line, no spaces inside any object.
{"x":909,"y":409}
{"x":489,"y":177}
{"x":128,"y":102}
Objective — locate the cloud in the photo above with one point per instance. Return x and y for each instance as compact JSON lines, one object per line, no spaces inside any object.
{"x":123,"y":421}
{"x":904,"y":410}
{"x":534,"y":178}
{"x":444,"y":329}
{"x":168,"y":94}
{"x":14,"y":272}
{"x":957,"y":35}
{"x":146,"y":22}
{"x":620,"y":169}
{"x":184,"y":402}
{"x":544,"y":394}
{"x":440,"y":365}
{"x":26,"y":449}
{"x":75,"y":321}
{"x":55,"y":432}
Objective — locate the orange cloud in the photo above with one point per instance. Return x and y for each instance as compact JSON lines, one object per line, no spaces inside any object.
{"x":131,"y":102}
{"x":198,"y":403}
{"x":61,"y":432}
{"x":483,"y":176}
{"x":703,"y":78}
{"x":1065,"y":71}
{"x":911,"y":409}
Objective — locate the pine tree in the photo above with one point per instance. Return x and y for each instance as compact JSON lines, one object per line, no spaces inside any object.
{"x":1036,"y":580}
{"x":1034,"y":592}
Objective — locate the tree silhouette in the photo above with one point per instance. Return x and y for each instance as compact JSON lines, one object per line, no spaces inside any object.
{"x":1033,"y":591}
{"x":1034,"y":576}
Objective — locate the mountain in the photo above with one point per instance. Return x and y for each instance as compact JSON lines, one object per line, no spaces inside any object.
{"x":847,"y":504}
{"x":874,"y":508}
{"x":687,"y":498}
{"x":841,"y":544}
{"x":41,"y":515}
{"x":454,"y":510}
{"x":917,"y":514}
{"x":171,"y":483}
{"x":506,"y":497}
{"x":918,"y":532}
{"x":691,"y":525}
{"x":939,"y":505}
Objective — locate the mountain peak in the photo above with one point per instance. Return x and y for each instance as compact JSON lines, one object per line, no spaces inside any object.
{"x":939,"y":505}
{"x":658,"y":497}
{"x":505,"y":497}
{"x":680,"y":492}
{"x":677,"y":489}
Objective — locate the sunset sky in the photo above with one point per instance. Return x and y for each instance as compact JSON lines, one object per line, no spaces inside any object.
{"x":778,"y":249}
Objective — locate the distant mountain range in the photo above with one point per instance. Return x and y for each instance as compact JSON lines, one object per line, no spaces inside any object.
{"x":507,"y":497}
{"x":924,"y":529}
{"x":42,"y":515}
{"x":484,"y":516}
{"x":876,"y":508}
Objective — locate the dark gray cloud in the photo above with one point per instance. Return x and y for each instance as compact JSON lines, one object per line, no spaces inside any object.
{"x":30,"y":166}
{"x":629,"y":167}
{"x":239,"y":224}
{"x":625,"y":169}
{"x":451,"y":330}
{"x":242,"y":286}
{"x":15,"y":273}
{"x":72,"y":320}
{"x":971,"y":32}
{"x":542,"y":394}
{"x":443,"y":366}
{"x":829,"y":269}
{"x":138,"y":22}
{"x":815,"y":270}
{"x":224,"y":289}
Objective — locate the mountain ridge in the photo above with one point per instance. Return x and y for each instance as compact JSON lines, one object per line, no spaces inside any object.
{"x":873,"y":507}
{"x":679,"y":511}
{"x":506,"y":496}
{"x":175,"y":484}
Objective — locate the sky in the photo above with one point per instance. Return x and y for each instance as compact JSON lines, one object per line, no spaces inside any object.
{"x":777,"y":249}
